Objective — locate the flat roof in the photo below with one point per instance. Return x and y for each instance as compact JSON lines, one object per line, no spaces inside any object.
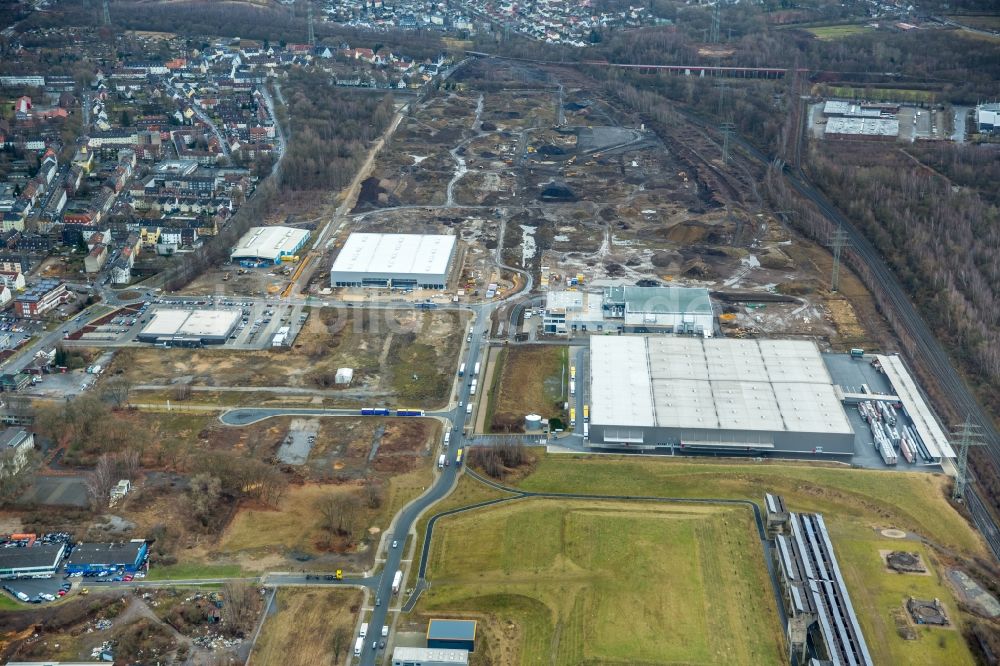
{"x":451,"y":630}
{"x":105,"y":553}
{"x":917,"y":409}
{"x":34,"y":557}
{"x":863,"y":126}
{"x":668,"y":300}
{"x":269,"y":243}
{"x":439,"y":655}
{"x":383,"y":254}
{"x":200,"y":323}
{"x":715,"y":383}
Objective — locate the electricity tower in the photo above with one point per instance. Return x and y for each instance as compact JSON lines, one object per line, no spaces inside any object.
{"x":838,"y":242}
{"x":309,"y":20}
{"x":727,"y":131}
{"x":968,"y":434}
{"x":713,"y":35}
{"x":106,"y":12}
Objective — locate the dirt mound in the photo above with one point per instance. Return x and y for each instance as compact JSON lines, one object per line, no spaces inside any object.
{"x":687,"y":232}
{"x":549,"y":149}
{"x":487,"y":126}
{"x":557,"y":192}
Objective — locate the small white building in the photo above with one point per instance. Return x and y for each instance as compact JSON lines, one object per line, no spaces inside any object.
{"x":120,"y":490}
{"x":417,"y":656}
{"x":344,"y":376}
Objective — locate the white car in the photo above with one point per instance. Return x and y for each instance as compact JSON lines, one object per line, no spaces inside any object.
{"x":395,"y":544}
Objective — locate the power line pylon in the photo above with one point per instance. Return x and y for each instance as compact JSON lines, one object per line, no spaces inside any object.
{"x":727,"y":130}
{"x":838,"y":242}
{"x":968,"y":434}
{"x":309,"y":20}
{"x":106,"y":12}
{"x":713,"y":35}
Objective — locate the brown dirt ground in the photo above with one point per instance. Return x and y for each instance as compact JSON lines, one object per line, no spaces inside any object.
{"x":530,"y":383}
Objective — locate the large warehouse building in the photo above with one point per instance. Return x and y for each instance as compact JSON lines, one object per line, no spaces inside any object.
{"x":190,"y":328}
{"x":269,"y":244}
{"x":631,"y":310}
{"x":714,"y":394}
{"x":397,"y":261}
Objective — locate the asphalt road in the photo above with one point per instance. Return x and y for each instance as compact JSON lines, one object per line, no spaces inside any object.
{"x":407,"y":518}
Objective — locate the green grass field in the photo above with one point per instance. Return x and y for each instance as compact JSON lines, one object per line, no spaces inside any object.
{"x":832,"y":32}
{"x":904,"y":95}
{"x":852,"y":501}
{"x":607,"y":582}
{"x":877,"y":594}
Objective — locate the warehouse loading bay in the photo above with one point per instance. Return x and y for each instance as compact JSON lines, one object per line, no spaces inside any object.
{"x":853,"y":377}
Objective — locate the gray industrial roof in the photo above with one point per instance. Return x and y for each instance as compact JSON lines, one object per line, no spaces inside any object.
{"x":716,"y":383}
{"x":452,"y":630}
{"x":666,"y":300}
{"x":45,"y":555}
{"x":422,"y":655}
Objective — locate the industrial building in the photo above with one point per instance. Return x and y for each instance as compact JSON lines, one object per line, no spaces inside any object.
{"x":988,"y":118}
{"x":822,"y":626}
{"x":26,"y":562}
{"x":417,"y":656}
{"x":190,"y":328}
{"x":452,"y":635}
{"x":261,"y":245}
{"x":629,"y":309}
{"x":96,"y":557}
{"x":886,"y":128}
{"x":692,"y":394}
{"x":41,"y":297}
{"x":396,"y":261}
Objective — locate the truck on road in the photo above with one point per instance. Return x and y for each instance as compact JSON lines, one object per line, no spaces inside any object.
{"x":441,"y":461}
{"x":475,"y":371}
{"x":461,"y":370}
{"x":364,"y":630}
{"x":468,"y":408}
{"x":397,"y":580}
{"x":358,"y":644}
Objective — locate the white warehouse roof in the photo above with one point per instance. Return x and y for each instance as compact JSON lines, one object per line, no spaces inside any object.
{"x":191,"y":323}
{"x":714,"y":383}
{"x":269,"y":243}
{"x":395,"y":254}
{"x":421,"y":655}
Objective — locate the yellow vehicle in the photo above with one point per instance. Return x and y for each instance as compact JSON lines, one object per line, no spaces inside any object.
{"x":458,"y":457}
{"x":572,"y":372}
{"x":586,"y":413}
{"x":572,"y":416}
{"x":340,"y":574}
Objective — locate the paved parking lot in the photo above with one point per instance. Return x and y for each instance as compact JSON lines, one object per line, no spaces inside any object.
{"x":57,"y":490}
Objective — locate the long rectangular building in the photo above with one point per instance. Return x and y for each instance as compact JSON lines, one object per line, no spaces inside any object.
{"x":695,"y":394}
{"x":190,"y":327}
{"x":815,"y":596}
{"x":396,"y":261}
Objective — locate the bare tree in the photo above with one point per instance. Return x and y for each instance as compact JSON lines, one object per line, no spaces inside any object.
{"x":339,"y":641}
{"x":203,"y":496}
{"x":116,"y":391}
{"x":100,"y":482}
{"x":182,"y":391}
{"x":339,"y":513}
{"x":240,"y":607}
{"x":373,"y":493}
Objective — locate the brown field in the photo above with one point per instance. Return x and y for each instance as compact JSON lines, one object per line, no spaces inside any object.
{"x":397,"y":355}
{"x":531,"y":382}
{"x":302,"y":630}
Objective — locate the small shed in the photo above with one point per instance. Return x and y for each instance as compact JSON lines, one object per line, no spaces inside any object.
{"x":344,"y":376}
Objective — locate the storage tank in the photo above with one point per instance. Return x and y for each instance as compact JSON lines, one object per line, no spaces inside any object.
{"x":532,"y":422}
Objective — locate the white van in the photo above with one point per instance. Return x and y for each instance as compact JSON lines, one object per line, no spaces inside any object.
{"x":385,"y":630}
{"x":441,"y":462}
{"x":468,"y":408}
{"x":358,"y":644}
{"x":364,"y":630}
